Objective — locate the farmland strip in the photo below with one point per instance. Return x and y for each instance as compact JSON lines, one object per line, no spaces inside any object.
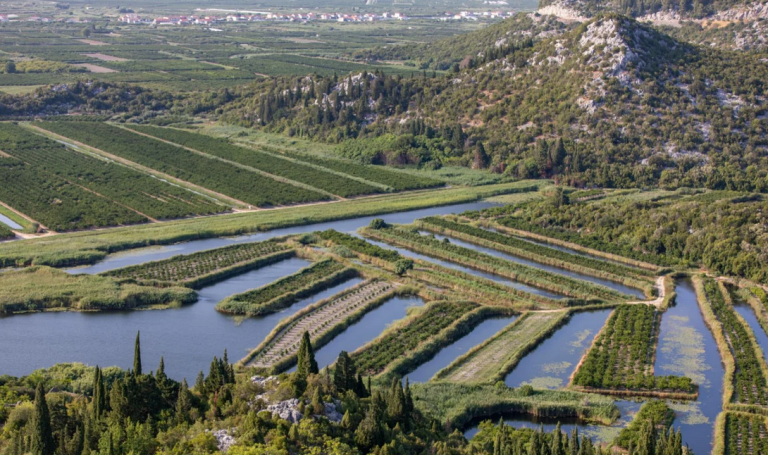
{"x":216,"y":175}
{"x":287,"y":290}
{"x":492,"y":360}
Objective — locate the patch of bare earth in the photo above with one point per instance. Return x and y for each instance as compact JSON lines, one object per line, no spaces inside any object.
{"x":106,"y":58}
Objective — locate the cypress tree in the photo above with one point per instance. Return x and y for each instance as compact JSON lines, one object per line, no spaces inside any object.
{"x":42,"y":434}
{"x":556,"y":447}
{"x":200,"y":383}
{"x":306,"y":358}
{"x":408,"y":398}
{"x":183,"y":403}
{"x":98,"y":398}
{"x":341,"y":374}
{"x":137,"y":356}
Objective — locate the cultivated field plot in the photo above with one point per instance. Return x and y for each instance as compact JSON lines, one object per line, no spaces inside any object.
{"x":750,"y":384}
{"x":132,"y":189}
{"x":235,"y":182}
{"x":521,"y":273}
{"x":320,"y":321}
{"x":359,"y":245}
{"x":398,"y":181}
{"x":745,"y":434}
{"x":5,"y":232}
{"x":492,"y":360}
{"x":48,"y":198}
{"x":275,"y":165}
{"x":205,"y":267}
{"x":287,"y":290}
{"x":535,"y":252}
{"x":400,"y":340}
{"x":622,"y":356}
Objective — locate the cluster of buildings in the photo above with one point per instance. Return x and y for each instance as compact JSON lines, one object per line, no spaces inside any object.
{"x":254,"y":16}
{"x":258,"y":16}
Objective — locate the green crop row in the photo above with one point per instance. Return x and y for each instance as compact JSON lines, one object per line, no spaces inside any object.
{"x":225,"y":178}
{"x":399,"y":340}
{"x":524,"y":274}
{"x":622,"y":356}
{"x":745,"y":433}
{"x":140,"y":192}
{"x":327,"y":181}
{"x":359,"y":245}
{"x":56,"y":203}
{"x":534,"y":251}
{"x":750,"y":384}
{"x":586,"y":241}
{"x":202,"y":267}
{"x":287,"y":290}
{"x":398,"y":181}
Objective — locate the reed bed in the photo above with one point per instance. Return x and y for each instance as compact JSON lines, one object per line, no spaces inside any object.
{"x":456,"y":405}
{"x":43,"y":288}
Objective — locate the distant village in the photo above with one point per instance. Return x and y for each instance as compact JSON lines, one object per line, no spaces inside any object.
{"x":219,"y":16}
{"x":201,"y":19}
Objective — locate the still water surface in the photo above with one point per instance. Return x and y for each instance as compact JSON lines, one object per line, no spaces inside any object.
{"x":187,"y":337}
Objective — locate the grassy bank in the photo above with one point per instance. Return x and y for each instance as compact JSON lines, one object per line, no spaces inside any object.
{"x":456,"y":405}
{"x":493,"y":359}
{"x":88,"y":247}
{"x":44,"y":288}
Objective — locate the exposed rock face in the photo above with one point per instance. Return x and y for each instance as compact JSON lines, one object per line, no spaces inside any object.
{"x":333,"y":412}
{"x":224,"y":439}
{"x":262,"y":381}
{"x":566,"y":10}
{"x":743,"y":13}
{"x":286,"y":410}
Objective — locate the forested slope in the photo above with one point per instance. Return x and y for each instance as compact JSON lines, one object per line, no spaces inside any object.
{"x":611,"y":103}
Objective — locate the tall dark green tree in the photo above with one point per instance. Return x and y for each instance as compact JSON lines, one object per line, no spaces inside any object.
{"x":306,"y":358}
{"x":42,"y":434}
{"x":344,"y":377}
{"x":137,"y":355}
{"x":99,"y":403}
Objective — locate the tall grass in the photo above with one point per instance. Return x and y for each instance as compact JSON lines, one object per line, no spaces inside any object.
{"x":43,"y":288}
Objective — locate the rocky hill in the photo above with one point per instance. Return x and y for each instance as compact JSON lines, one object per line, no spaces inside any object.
{"x":612,"y":102}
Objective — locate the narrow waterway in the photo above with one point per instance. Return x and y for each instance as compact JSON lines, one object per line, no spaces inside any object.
{"x":686,"y":347}
{"x":9,"y":222}
{"x":448,"y":354}
{"x":557,"y":270}
{"x":187,"y":337}
{"x":748,"y":314}
{"x":551,"y":363}
{"x":366,"y":329}
{"x":468,"y":270}
{"x":156,"y":253}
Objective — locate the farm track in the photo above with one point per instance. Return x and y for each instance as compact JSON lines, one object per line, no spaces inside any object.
{"x":485,"y":363}
{"x":318,"y":322}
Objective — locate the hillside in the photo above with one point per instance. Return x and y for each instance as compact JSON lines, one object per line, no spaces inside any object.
{"x":610,"y":103}
{"x":688,"y":9}
{"x":442,"y":54}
